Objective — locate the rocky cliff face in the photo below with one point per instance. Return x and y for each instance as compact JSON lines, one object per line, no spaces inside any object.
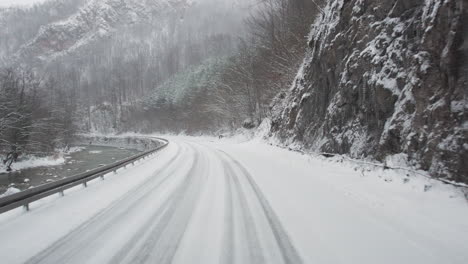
{"x":384,"y":78}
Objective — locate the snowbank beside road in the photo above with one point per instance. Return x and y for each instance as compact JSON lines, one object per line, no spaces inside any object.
{"x":344,"y":213}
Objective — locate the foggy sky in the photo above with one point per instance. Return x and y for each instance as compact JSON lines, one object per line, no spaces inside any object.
{"x":5,"y":3}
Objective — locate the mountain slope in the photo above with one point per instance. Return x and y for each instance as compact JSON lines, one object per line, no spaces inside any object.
{"x":384,"y":78}
{"x":19,"y":25}
{"x":97,"y":20}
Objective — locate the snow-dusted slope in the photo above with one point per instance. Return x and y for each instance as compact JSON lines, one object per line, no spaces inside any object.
{"x":98,"y":19}
{"x":383,"y":78}
{"x":20,"y":24}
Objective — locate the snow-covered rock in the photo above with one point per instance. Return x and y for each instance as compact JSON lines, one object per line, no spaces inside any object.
{"x":10,"y":191}
{"x":382,"y":78}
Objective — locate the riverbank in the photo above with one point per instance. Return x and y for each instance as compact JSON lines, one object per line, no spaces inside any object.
{"x":31,"y":161}
{"x":34,"y":171}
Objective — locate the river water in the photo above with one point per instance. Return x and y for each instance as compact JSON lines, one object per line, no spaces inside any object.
{"x":90,"y":157}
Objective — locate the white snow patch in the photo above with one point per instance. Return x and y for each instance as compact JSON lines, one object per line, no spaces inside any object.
{"x":458,"y":106}
{"x":10,"y":191}
{"x":397,"y":160}
{"x":32,"y":162}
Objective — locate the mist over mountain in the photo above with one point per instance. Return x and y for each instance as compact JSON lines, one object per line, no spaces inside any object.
{"x":59,"y":28}
{"x":397,"y":87}
{"x":234,"y":131}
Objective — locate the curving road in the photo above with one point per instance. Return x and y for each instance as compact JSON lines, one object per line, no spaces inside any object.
{"x":210,"y":201}
{"x":201,"y":206}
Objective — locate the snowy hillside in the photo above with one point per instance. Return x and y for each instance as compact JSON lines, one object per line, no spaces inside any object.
{"x":96,"y":20}
{"x":380,"y":80}
{"x":20,"y":24}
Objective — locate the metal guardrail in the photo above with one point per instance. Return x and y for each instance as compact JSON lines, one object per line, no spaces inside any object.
{"x":24,"y":198}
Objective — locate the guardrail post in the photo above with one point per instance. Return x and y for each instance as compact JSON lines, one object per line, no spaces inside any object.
{"x":26,"y":207}
{"x":102,"y":177}
{"x":85,"y":184}
{"x":62,"y":193}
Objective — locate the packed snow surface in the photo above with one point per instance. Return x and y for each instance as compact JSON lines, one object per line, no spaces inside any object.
{"x":204,"y":200}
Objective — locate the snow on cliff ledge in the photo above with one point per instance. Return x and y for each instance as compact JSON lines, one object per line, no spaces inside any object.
{"x":382,"y":78}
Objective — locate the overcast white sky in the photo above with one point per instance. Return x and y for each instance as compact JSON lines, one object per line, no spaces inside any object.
{"x":18,"y":2}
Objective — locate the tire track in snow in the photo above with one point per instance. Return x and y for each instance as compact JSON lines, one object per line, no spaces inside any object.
{"x":227,"y":256}
{"x":157,"y":237}
{"x":78,"y":241}
{"x":288,"y":251}
{"x":236,"y":196}
{"x":162,"y":237}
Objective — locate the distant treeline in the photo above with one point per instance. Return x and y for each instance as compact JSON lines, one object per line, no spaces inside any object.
{"x":36,"y":116}
{"x":201,"y":72}
{"x":222,"y":93}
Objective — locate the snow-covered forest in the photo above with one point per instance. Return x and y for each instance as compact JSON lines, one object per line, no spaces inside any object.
{"x":328,"y":80}
{"x":172,"y":66}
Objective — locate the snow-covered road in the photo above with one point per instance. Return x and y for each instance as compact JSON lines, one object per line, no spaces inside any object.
{"x":205,"y":201}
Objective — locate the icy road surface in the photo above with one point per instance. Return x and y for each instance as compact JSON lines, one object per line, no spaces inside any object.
{"x":209,"y":201}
